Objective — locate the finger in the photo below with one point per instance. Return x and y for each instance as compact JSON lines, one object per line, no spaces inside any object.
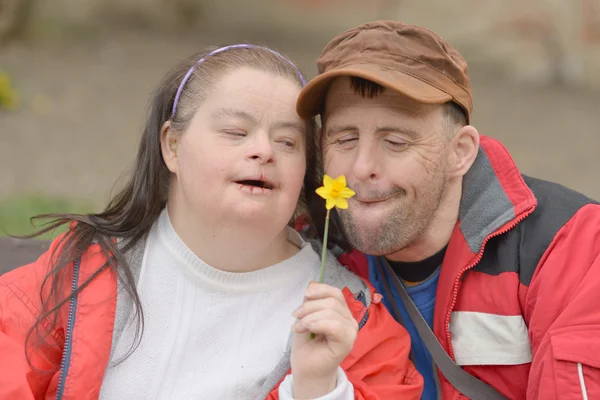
{"x":334,"y":324}
{"x":316,"y":291}
{"x":328,"y":303}
{"x":329,"y":324}
{"x":299,"y":327}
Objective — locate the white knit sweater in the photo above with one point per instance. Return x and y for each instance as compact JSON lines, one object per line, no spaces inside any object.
{"x":209,"y":334}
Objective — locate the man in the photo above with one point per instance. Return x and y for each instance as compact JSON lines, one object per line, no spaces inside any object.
{"x":504,"y":268}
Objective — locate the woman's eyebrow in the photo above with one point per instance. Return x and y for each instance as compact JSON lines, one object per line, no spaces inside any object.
{"x":232,"y":112}
{"x":296,"y":125}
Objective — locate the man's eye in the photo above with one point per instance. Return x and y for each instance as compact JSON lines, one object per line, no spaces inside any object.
{"x":396,"y":145}
{"x":346,"y":143}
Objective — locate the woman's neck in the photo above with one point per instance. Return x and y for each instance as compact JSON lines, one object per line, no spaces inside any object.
{"x":232,"y":248}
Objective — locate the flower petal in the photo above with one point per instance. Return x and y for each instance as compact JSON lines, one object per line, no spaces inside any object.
{"x":327,"y":182}
{"x":341,"y":203}
{"x":323,"y":192}
{"x":347,"y":193}
{"x":330,"y":203}
{"x":341,"y":180}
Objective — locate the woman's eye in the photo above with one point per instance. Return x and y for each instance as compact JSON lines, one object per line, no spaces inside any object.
{"x":235,"y":132}
{"x":290,"y":144}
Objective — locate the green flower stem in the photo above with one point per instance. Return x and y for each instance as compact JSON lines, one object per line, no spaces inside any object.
{"x":323,"y":254}
{"x":324,"y":251}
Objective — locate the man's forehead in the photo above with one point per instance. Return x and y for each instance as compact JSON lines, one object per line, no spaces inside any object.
{"x":342,"y":95}
{"x":341,"y":84}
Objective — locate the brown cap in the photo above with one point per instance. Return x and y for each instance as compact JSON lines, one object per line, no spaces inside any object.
{"x":406,"y":58}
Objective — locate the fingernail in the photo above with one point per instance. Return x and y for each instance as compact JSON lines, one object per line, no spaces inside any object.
{"x":377,"y":298}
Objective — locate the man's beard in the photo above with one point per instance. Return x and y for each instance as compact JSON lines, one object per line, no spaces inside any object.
{"x":405,"y":225}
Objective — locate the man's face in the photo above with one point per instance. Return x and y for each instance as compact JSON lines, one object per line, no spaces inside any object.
{"x":393,"y":152}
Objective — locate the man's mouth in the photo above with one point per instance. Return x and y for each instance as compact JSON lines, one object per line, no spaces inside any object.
{"x":372,"y":201}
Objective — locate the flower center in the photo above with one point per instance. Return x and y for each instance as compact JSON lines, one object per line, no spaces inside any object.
{"x":336,"y":189}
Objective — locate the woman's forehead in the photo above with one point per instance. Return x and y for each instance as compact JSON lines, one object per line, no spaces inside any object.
{"x":250,"y":93}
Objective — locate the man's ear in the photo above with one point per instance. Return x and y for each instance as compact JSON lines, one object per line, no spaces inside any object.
{"x":465,"y":147}
{"x":169,"y":140}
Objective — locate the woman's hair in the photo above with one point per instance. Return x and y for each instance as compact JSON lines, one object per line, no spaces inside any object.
{"x":130,"y":214}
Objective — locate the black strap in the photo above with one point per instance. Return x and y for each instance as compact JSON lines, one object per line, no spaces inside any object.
{"x":464,"y":382}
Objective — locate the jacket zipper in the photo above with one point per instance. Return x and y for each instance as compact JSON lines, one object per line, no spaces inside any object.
{"x":471,"y":265}
{"x":66,"y":355}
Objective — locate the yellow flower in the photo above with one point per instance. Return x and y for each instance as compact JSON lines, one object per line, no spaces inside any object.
{"x":335,"y":192}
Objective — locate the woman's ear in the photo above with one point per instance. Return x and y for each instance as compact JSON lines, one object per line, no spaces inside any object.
{"x":169,"y":140}
{"x":464,"y":150}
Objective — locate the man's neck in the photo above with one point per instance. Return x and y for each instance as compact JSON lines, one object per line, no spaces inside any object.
{"x":438,"y":233}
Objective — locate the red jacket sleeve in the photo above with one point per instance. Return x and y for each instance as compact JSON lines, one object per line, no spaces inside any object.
{"x":563,"y":309}
{"x":356,"y":262}
{"x":379,"y":366}
{"x":14,"y":371}
{"x":19,"y":304}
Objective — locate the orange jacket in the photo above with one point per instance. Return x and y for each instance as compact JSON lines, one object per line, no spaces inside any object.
{"x":80,"y":343}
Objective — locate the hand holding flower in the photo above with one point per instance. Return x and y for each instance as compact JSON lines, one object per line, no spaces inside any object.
{"x":315,"y":362}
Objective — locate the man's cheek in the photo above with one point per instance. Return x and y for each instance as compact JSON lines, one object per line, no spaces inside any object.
{"x":333,"y":164}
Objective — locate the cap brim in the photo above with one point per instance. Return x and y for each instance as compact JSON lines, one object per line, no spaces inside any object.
{"x":312,"y":98}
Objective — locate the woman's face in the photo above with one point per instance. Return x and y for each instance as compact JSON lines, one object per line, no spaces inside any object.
{"x":242,"y":159}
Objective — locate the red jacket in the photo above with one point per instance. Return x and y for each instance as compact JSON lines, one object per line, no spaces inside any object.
{"x":518,"y":298}
{"x":80,"y":343}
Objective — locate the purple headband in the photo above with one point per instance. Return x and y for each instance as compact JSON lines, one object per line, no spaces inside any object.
{"x":220,"y":50}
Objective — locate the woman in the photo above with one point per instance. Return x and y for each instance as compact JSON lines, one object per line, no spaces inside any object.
{"x":188,"y":284}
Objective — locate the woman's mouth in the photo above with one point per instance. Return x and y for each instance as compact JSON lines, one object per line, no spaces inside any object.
{"x":256,"y":183}
{"x":253,"y":186}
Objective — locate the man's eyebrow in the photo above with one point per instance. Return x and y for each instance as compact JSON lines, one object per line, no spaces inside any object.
{"x":335,"y":129}
{"x":412,"y":134}
{"x":232,"y":112}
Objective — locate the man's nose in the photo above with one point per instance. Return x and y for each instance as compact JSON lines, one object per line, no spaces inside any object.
{"x":366,"y":164}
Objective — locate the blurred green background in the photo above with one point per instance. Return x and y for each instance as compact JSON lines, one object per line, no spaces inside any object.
{"x":78,"y":75}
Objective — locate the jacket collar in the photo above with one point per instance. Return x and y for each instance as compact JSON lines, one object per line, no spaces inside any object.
{"x":494,"y":195}
{"x":495,"y":198}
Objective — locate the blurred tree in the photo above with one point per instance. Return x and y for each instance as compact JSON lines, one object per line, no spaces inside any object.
{"x":14,"y":17}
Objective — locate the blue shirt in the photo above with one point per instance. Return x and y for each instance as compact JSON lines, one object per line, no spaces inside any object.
{"x":423,"y":295}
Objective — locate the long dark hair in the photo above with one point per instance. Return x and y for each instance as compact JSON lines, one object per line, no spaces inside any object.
{"x":130,"y":215}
